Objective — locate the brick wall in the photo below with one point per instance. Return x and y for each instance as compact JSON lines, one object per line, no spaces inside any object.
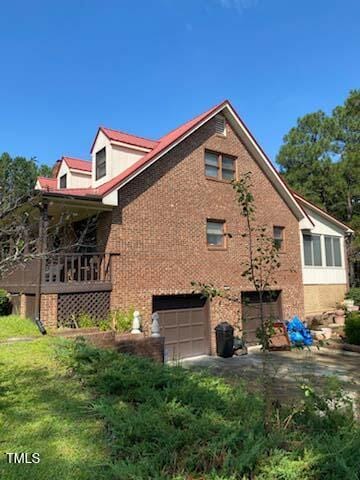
{"x":141,"y":346}
{"x":48,"y":310}
{"x":160,"y":230}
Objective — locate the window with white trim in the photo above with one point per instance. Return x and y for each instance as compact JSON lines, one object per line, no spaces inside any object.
{"x":312,"y":250}
{"x":332,"y":251}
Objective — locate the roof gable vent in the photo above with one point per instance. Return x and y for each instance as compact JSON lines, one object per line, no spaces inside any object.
{"x":220,"y":126}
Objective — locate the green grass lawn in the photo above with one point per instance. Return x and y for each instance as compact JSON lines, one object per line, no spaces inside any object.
{"x":95,"y":414}
{"x":14,"y":326}
{"x":43,"y":410}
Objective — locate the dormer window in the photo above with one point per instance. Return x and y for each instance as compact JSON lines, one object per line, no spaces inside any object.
{"x":100,"y":164}
{"x":220,"y":126}
{"x":63,"y":181}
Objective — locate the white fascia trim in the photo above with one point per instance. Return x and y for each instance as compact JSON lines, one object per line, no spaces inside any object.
{"x":272,"y":173}
{"x":321,"y":212}
{"x":83,"y":172}
{"x":130,"y":146}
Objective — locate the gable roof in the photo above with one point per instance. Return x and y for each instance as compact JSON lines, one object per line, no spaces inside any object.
{"x":78,"y":164}
{"x":174,"y":137}
{"x":47,"y":183}
{"x":118,"y":136}
{"x":166,"y":141}
{"x":322,"y":212}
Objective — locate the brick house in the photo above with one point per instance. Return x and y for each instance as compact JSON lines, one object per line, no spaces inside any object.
{"x":166,"y":215}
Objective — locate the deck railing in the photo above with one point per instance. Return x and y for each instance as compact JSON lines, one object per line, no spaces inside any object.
{"x":67,"y":268}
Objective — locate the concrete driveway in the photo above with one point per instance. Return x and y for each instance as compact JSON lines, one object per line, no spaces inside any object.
{"x":288,"y":370}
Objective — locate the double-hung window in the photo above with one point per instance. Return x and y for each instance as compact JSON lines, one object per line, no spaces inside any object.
{"x":215,"y":233}
{"x":332,"y":251}
{"x":312,"y":250}
{"x":219,"y":166}
{"x":100,"y":162}
{"x":278,"y":235}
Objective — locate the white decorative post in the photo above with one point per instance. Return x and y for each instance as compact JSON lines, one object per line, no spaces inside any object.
{"x":136,"y":324}
{"x":155,"y":325}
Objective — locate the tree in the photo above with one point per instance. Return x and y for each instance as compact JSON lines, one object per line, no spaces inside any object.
{"x":259,"y":268}
{"x":17,"y":178}
{"x":320,"y":158}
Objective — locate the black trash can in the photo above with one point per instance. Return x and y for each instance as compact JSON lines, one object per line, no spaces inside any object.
{"x":224,"y":340}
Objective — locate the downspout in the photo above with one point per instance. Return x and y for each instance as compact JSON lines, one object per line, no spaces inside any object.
{"x":42,"y":247}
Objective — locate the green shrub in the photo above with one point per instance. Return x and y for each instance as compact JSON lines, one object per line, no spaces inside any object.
{"x":84,"y":320}
{"x":121,"y":320}
{"x":5,"y":305}
{"x":354,"y":294}
{"x":104,"y":325}
{"x":170,"y":423}
{"x":352,"y":328}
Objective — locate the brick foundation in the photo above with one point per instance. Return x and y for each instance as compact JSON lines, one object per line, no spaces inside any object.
{"x":139,"y":345}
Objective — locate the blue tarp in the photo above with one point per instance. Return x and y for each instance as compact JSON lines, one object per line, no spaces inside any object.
{"x":299,"y":335}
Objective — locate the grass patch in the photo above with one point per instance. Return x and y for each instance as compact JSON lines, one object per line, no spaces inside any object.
{"x":15,"y":326}
{"x":43,"y":410}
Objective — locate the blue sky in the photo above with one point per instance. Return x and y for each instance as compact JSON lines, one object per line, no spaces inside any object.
{"x":147,"y":66}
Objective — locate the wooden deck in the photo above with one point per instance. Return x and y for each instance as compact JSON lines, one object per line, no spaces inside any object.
{"x":62,"y":273}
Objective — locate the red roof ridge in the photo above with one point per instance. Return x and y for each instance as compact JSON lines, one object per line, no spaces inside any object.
{"x":46,"y":178}
{"x":77,"y":163}
{"x":102,"y":127}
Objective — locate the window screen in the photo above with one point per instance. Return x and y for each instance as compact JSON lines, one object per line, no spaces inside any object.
{"x":312,"y":250}
{"x":211,"y":164}
{"x":332,"y":251}
{"x":215,"y":233}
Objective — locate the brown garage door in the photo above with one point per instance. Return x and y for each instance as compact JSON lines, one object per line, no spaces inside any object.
{"x":186,"y":329}
{"x":251,"y":312}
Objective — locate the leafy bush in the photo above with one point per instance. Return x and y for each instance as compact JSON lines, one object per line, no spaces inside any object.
{"x":354,"y":294}
{"x":170,"y":423}
{"x":121,"y":320}
{"x":5,"y":305}
{"x":84,"y":320}
{"x":352,"y":328}
{"x":104,"y":325}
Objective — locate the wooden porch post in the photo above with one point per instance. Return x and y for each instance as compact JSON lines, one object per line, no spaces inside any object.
{"x":41,"y":250}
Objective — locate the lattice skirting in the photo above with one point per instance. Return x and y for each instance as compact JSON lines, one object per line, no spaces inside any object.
{"x":95,"y":304}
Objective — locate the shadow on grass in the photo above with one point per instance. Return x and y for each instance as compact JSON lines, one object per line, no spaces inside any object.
{"x":42,"y":410}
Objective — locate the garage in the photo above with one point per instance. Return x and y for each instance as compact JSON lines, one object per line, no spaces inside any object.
{"x":251,"y":312}
{"x":184,"y":322}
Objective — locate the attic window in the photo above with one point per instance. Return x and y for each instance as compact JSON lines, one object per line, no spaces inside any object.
{"x":220,"y":127}
{"x":100,"y":162}
{"x":63,"y":181}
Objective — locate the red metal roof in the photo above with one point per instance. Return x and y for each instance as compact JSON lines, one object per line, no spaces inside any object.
{"x":123,"y":137}
{"x":162,"y":144}
{"x":78,"y":164}
{"x":47,"y":183}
